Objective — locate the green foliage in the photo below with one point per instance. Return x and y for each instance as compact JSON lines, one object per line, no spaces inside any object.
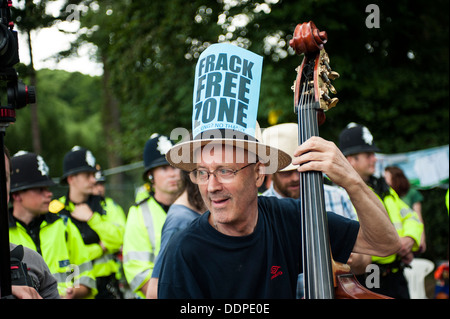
{"x":69,"y":105}
{"x":152,"y":48}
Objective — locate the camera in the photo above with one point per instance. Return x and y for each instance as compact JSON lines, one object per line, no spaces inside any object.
{"x":12,"y":91}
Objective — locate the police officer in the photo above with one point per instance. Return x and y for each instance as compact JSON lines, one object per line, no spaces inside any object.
{"x":98,"y":227}
{"x":356,"y":143}
{"x":115,"y":210}
{"x":146,"y":218}
{"x":31,"y":225}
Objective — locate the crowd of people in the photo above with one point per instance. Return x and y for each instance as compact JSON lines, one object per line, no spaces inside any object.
{"x":204,"y":228}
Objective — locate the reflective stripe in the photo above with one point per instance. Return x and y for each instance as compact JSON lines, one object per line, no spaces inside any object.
{"x":88,"y":282}
{"x":140,"y":256}
{"x":138,"y":279}
{"x":86,"y":266}
{"x":148,"y":221}
{"x":103,"y":259}
{"x":62,"y":276}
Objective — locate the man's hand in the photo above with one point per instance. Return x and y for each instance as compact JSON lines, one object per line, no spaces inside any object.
{"x":405,"y":251}
{"x":317,"y":154}
{"x":82,"y":212}
{"x":76,"y":293}
{"x":25,"y":292}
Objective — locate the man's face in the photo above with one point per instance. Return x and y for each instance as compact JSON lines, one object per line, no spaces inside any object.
{"x":99,"y":189}
{"x":83,"y":182}
{"x":363,"y":163}
{"x":166,"y":179}
{"x":35,"y":200}
{"x":230,"y":202}
{"x":287,"y":183}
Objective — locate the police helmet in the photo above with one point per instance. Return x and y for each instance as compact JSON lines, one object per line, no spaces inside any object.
{"x":155,"y":151}
{"x":29,"y":170}
{"x":356,"y":138}
{"x":77,"y":160}
{"x":99,"y":175}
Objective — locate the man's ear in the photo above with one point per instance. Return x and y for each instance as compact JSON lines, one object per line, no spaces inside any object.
{"x":261,"y":173}
{"x":16,"y":196}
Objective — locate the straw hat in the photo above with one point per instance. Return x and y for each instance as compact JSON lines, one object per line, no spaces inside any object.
{"x":182,"y":155}
{"x":284,"y":137}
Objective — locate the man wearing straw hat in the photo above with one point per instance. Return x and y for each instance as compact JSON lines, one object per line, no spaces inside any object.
{"x":247,"y":246}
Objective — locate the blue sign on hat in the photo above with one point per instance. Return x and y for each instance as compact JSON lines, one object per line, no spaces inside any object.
{"x":226,"y":89}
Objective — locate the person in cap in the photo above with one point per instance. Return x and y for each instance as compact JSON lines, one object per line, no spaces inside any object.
{"x":96,"y":224}
{"x":117,"y":215}
{"x":145,"y":219}
{"x":43,"y":285}
{"x":245,"y":245}
{"x":31,"y":225}
{"x":286,"y":183}
{"x":357,"y":144}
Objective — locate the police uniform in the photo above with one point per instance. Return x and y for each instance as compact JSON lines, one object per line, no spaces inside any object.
{"x":102,"y":234}
{"x":356,"y":139}
{"x":115,"y":210}
{"x":53,"y":237}
{"x":145,"y":220}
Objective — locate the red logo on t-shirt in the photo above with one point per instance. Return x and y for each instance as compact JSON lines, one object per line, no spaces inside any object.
{"x":274,"y":271}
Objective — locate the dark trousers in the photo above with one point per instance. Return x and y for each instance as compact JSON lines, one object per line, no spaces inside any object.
{"x":392,"y":285}
{"x":108,"y":288}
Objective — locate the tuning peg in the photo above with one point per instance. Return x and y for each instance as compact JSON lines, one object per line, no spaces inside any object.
{"x":331,"y":102}
{"x":328,"y":83}
{"x":331,"y":88}
{"x":333,"y":75}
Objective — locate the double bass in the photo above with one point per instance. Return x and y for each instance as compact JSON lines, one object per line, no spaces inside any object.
{"x":323,"y":277}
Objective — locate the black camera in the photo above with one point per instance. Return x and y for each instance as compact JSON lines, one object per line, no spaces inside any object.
{"x":12,"y":91}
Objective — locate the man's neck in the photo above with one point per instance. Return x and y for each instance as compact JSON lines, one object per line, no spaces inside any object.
{"x":77,"y":197}
{"x":165,"y":198}
{"x":22,"y":214}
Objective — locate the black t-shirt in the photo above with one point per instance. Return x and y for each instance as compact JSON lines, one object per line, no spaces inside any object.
{"x":201,"y":262}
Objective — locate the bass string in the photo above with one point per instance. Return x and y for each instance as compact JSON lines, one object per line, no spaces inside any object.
{"x":312,"y":201}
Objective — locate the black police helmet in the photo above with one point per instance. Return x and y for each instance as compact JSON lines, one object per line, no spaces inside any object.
{"x":356,"y":138}
{"x":155,"y":151}
{"x":77,"y":160}
{"x":99,"y":175}
{"x":29,"y":170}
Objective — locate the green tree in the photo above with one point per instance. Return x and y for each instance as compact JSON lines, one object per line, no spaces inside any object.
{"x":69,"y":115}
{"x":31,"y":16}
{"x":390,"y":79}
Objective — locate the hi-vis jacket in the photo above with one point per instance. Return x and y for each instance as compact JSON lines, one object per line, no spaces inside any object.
{"x":102,"y":234}
{"x":405,"y":220}
{"x":61,"y":247}
{"x":142,"y":242}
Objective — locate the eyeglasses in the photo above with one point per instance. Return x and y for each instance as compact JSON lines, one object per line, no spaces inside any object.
{"x":223,"y":175}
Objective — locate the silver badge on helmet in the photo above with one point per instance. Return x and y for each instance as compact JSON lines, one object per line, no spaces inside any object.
{"x":42,"y":166}
{"x":367,"y":136}
{"x":90,"y":159}
{"x":164,"y":145}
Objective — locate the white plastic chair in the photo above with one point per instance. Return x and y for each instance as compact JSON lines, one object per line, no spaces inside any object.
{"x":415,"y":276}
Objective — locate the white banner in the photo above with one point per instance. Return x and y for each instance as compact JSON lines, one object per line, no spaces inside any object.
{"x":424,"y":169}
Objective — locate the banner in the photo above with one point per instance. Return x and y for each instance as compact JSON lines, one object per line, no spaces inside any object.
{"x":424,"y":169}
{"x":226,"y":89}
